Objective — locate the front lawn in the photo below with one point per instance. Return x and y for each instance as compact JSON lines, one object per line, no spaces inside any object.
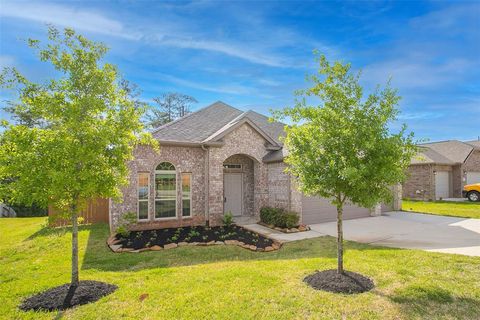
{"x":229,"y":282}
{"x":444,"y":208}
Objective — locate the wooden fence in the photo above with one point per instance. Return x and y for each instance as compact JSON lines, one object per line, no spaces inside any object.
{"x":96,"y":211}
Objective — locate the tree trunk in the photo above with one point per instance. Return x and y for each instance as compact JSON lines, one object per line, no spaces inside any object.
{"x":74,"y":282}
{"x":340,"y":238}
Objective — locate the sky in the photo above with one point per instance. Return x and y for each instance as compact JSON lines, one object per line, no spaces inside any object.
{"x":254,"y":55}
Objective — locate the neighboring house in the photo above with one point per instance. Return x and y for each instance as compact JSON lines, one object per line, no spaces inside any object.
{"x":441,"y":169}
{"x":218,"y":159}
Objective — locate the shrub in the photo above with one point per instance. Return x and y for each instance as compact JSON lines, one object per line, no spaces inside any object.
{"x":278,"y":217}
{"x":268,"y":215}
{"x":290,"y":219}
{"x":227,"y":219}
{"x":126,"y":221}
{"x":29,"y":211}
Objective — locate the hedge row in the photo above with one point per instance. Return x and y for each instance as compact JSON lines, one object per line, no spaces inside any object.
{"x":278,"y":217}
{"x":29,"y":211}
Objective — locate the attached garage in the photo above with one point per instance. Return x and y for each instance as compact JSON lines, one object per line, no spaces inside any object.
{"x":473,"y":177}
{"x":318,"y":210}
{"x":442,"y":184}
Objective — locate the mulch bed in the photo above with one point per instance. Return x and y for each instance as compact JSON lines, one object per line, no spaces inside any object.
{"x":61,"y":298}
{"x":198,"y":235}
{"x":330,"y":280}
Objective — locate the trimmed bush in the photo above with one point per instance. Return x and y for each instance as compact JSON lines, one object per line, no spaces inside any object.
{"x":290,"y":219}
{"x":278,"y":217}
{"x":268,"y":215}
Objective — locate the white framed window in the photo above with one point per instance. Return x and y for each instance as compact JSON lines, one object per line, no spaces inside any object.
{"x":165,"y":191}
{"x":186,"y":194}
{"x":143,"y":183}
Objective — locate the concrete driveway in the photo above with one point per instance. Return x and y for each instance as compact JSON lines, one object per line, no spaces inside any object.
{"x":412,"y":231}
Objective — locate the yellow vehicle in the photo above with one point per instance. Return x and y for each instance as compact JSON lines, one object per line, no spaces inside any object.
{"x":472,"y":192}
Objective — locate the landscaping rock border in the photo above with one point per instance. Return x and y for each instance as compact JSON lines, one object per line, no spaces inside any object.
{"x":117,"y":248}
{"x":300,"y":228}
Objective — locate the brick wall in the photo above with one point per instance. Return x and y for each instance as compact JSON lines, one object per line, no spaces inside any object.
{"x":244,"y":140}
{"x":420,"y":182}
{"x":472,"y":163}
{"x":185,"y":159}
{"x":278,"y":186}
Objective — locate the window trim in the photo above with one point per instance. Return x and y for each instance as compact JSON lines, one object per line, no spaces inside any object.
{"x":155,"y":193}
{"x":148,"y":196}
{"x":238,"y":166}
{"x":190,"y":196}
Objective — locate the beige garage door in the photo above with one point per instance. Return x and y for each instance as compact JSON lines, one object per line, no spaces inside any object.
{"x":318,"y":210}
{"x":442,"y":185}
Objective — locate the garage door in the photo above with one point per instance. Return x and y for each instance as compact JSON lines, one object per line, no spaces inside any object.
{"x":318,"y":210}
{"x":473,"y":177}
{"x":442,"y":184}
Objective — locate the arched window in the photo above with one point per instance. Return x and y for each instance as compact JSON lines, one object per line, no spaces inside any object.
{"x":165,"y":191}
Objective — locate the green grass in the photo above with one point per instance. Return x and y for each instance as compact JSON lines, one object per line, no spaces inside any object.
{"x":444,"y":208}
{"x":225,"y":282}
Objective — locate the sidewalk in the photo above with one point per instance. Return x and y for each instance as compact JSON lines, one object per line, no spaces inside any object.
{"x":280,"y":236}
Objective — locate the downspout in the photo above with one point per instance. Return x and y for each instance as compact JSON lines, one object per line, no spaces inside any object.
{"x":207,"y":184}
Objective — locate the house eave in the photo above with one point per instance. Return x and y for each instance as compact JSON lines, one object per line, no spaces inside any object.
{"x":190,"y":143}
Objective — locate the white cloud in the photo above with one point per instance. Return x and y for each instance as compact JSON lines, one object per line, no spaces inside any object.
{"x":409,"y":72}
{"x":6,"y":61}
{"x":229,"y":49}
{"x":80,"y":19}
{"x":229,"y":89}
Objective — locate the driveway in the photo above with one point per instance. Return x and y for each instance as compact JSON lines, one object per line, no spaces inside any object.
{"x":412,"y":231}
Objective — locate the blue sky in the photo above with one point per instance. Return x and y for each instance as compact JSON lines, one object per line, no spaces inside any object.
{"x":253,"y":55}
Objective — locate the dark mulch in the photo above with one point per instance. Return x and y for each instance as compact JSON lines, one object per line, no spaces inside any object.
{"x":61,"y":298}
{"x":161,"y":237}
{"x":330,"y":280}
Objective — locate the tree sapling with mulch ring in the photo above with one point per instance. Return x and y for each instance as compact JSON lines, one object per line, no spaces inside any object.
{"x":66,"y":296}
{"x":346,"y":282}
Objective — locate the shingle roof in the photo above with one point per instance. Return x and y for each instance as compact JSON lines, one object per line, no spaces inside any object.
{"x":429,"y":156}
{"x":443,"y":152}
{"x":474,"y":143}
{"x":208,"y":124}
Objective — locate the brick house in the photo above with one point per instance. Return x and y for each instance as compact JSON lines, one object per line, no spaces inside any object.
{"x":218,"y":159}
{"x":441,"y":169}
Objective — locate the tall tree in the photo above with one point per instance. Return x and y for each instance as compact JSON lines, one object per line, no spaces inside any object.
{"x":91,"y":129}
{"x":339,"y":143}
{"x":133,"y":92}
{"x":170,"y":106}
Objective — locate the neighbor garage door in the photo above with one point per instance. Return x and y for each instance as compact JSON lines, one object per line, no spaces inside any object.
{"x":442,"y":184}
{"x":473,"y":177}
{"x":318,"y":210}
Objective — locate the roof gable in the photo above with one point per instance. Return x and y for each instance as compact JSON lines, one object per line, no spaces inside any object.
{"x":237,"y":122}
{"x":213,"y":122}
{"x":444,"y":152}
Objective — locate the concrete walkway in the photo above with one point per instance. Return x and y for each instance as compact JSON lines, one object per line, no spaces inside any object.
{"x":412,"y":231}
{"x":280,"y":236}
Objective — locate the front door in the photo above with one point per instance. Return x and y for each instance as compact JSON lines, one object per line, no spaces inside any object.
{"x":233,"y":193}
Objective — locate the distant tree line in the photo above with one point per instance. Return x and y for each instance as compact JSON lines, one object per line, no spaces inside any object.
{"x":167,"y":107}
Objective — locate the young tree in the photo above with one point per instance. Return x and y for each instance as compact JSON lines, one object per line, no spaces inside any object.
{"x":341,"y":147}
{"x":91,"y":127}
{"x":170,"y":106}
